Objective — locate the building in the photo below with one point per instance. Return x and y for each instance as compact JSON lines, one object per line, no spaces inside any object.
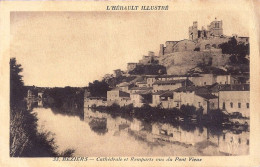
{"x":170,"y":84}
{"x":141,"y":97}
{"x":235,"y":99}
{"x":108,"y":76}
{"x":30,"y":94}
{"x":156,"y":98}
{"x":166,"y":100}
{"x":240,"y":79}
{"x":124,"y":86}
{"x":206,"y":40}
{"x":176,"y":46}
{"x":199,"y":97}
{"x":141,"y":84}
{"x":40,"y":95}
{"x":150,"y":59}
{"x":116,"y":96}
{"x":95,"y":102}
{"x":131,"y":66}
{"x":203,"y":79}
{"x":241,"y":39}
{"x":150,"y":80}
{"x":137,"y":89}
{"x":213,"y":29}
{"x":171,"y":77}
{"x":118,"y":73}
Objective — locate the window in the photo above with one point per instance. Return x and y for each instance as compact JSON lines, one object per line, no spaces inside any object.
{"x":224,"y":136}
{"x":216,"y":25}
{"x":205,"y":83}
{"x":231,"y":105}
{"x":239,"y":105}
{"x":239,"y":141}
{"x":224,"y":105}
{"x":199,"y":104}
{"x":247,"y":105}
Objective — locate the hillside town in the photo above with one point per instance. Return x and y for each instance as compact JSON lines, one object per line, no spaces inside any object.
{"x":209,"y":71}
{"x":169,"y":88}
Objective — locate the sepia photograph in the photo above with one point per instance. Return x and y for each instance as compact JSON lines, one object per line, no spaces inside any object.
{"x":106,"y":84}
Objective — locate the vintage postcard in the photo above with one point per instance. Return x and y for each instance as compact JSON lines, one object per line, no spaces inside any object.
{"x":129,"y":83}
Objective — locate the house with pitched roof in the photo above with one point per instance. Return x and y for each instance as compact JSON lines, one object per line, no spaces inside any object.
{"x":199,"y":97}
{"x":117,"y":96}
{"x":141,"y":97}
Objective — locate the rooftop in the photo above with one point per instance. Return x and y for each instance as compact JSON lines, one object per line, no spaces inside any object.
{"x":167,"y":94}
{"x":116,"y":88}
{"x":123,"y":84}
{"x":240,"y":87}
{"x":160,"y":92}
{"x":143,"y":92}
{"x":176,"y":76}
{"x":170,"y":81}
{"x":142,"y":82}
{"x":207,"y":96}
{"x":141,"y":88}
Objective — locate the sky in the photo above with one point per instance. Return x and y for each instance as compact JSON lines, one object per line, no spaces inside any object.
{"x":75,"y":48}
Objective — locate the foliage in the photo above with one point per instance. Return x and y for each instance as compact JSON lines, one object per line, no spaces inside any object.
{"x":17,"y":89}
{"x":114,"y":107}
{"x":25,"y":141}
{"x":217,"y":115}
{"x":188,"y":110}
{"x":151,"y":69}
{"x":67,"y":100}
{"x":98,"y":88}
{"x":237,"y":50}
{"x":67,"y":153}
{"x":112,"y":82}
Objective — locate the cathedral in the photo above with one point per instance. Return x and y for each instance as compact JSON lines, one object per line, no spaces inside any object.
{"x":214,"y":29}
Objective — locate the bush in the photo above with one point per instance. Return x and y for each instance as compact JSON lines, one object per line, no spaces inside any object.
{"x":129,"y":107}
{"x":237,"y":50}
{"x":217,"y":115}
{"x":113,"y":107}
{"x":188,"y":110}
{"x":25,"y":140}
{"x":146,"y":107}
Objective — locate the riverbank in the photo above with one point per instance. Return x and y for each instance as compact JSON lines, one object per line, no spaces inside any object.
{"x":26,"y":140}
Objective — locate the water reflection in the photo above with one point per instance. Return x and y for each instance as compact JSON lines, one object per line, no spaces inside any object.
{"x":100,"y":134}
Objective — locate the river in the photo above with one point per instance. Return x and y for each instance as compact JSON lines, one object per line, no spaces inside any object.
{"x":101,"y":134}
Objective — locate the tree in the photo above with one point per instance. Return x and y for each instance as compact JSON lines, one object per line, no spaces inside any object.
{"x":17,"y":89}
{"x":98,"y":89}
{"x":188,"y":110}
{"x":237,"y":50}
